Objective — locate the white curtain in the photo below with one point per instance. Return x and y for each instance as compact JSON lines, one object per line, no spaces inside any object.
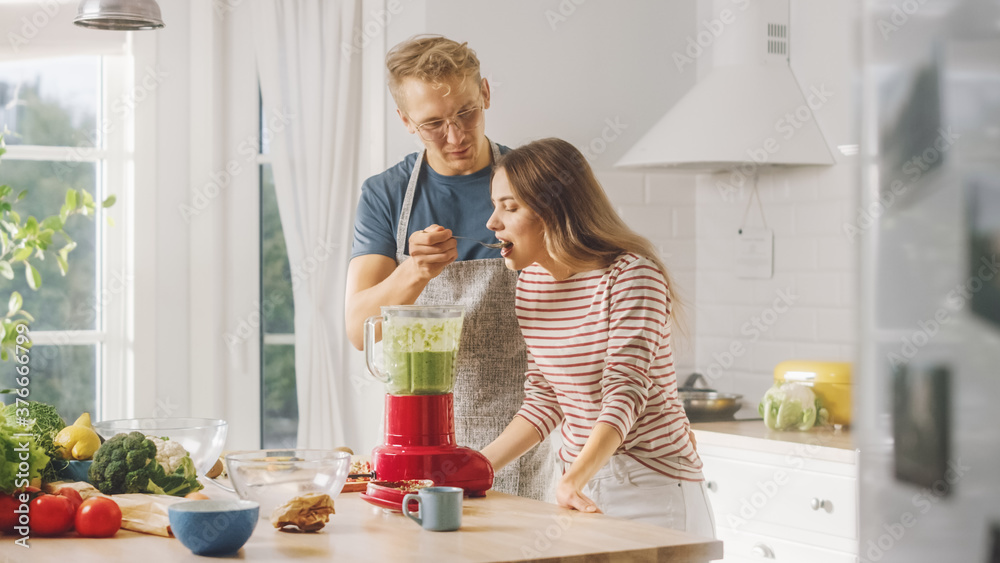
{"x":307,"y":74}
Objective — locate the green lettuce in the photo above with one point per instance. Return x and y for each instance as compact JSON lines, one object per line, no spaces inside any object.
{"x":12,"y":448}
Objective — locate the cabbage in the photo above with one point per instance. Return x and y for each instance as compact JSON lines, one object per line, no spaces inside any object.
{"x":791,"y":406}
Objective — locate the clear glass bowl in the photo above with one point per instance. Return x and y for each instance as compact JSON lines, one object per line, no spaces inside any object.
{"x":274,"y":477}
{"x":203,"y":438}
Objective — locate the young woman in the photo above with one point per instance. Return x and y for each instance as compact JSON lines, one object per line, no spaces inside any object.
{"x":594,"y":306}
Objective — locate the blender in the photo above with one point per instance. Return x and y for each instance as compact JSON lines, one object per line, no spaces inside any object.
{"x":419,"y":355}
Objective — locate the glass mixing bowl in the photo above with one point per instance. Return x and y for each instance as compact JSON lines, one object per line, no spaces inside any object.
{"x":274,"y":477}
{"x":203,"y":438}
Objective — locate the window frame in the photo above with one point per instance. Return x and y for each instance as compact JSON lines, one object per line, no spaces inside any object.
{"x":114,"y":162}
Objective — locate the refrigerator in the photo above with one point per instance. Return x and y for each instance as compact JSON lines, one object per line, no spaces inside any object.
{"x":927,"y":421}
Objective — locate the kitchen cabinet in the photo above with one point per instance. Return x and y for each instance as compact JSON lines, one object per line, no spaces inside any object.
{"x":781,"y":496}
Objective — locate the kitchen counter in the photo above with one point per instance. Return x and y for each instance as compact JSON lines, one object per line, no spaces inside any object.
{"x":827,"y":444}
{"x":499,"y":527}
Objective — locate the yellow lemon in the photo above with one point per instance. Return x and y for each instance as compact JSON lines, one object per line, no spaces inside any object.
{"x":77,"y":442}
{"x":84,"y":421}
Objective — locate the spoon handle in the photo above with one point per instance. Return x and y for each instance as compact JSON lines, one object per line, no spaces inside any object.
{"x":487,"y":245}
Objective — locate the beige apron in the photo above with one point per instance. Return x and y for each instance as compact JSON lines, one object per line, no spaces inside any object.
{"x":492,"y":361}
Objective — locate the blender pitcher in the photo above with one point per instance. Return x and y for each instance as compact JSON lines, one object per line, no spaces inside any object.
{"x":419,"y":348}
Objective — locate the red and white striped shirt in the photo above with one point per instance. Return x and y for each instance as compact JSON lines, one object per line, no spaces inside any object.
{"x":599,"y":351}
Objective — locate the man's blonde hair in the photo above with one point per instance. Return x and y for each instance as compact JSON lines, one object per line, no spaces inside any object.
{"x":434,"y":59}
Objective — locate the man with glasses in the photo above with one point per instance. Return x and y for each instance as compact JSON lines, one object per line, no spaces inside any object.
{"x":405,"y":250}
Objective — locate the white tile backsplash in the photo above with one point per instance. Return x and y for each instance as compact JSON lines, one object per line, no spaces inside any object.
{"x":720,"y":221}
{"x":781,"y":288}
{"x":678,"y":254}
{"x":722,"y":287}
{"x":766,"y":355}
{"x":820,"y":218}
{"x":796,"y":325}
{"x":686,"y":287}
{"x":817,"y":351}
{"x":672,"y":188}
{"x":836,"y":326}
{"x":795,"y":254}
{"x":813,"y":266}
{"x":796,"y":184}
{"x":849,"y":287}
{"x":781,"y":218}
{"x":684,"y":222}
{"x":836,"y":184}
{"x":623,"y":187}
{"x":740,"y":329}
{"x":721,"y":355}
{"x":653,"y":222}
{"x":836,"y":253}
{"x":716,"y":320}
{"x":715,"y":255}
{"x":821,"y":289}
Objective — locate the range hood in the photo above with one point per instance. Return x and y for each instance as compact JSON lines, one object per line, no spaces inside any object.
{"x":749,"y":110}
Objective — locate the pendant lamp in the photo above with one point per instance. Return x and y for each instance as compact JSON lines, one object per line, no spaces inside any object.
{"x":119,"y":15}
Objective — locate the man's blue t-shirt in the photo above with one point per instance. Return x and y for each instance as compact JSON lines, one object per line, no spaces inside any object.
{"x":459,"y":203}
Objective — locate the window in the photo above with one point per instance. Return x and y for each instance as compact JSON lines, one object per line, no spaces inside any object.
{"x":279,"y":405}
{"x":62,"y":135}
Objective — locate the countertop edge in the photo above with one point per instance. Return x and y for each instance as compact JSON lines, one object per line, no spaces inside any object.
{"x":819,"y":444}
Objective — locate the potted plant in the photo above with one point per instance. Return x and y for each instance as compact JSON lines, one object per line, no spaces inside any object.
{"x":27,"y":239}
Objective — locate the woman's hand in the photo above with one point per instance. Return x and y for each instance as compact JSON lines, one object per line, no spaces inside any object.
{"x":570,"y":495}
{"x":603,"y":441}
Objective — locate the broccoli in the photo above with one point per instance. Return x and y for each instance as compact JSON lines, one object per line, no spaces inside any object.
{"x":129,"y":463}
{"x":44,"y":424}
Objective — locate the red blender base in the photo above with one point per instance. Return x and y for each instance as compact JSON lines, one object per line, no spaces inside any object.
{"x":420,"y":444}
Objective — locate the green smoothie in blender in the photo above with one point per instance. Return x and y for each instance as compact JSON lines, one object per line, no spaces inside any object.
{"x":420,"y":354}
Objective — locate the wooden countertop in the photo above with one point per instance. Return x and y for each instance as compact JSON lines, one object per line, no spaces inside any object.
{"x":496,"y":528}
{"x":827,"y":444}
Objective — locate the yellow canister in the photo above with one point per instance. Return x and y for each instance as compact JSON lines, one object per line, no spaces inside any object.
{"x":831,"y":381}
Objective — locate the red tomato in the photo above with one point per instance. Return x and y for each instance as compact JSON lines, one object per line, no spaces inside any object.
{"x":8,"y":519}
{"x":73,"y":495}
{"x":51,"y":515}
{"x":98,"y":517}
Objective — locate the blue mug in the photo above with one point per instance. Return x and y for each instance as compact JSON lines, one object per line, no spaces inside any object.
{"x":439,"y":508}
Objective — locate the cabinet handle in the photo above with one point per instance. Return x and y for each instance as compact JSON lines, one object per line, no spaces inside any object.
{"x":763,"y":551}
{"x":818,"y":504}
{"x":712,"y":486}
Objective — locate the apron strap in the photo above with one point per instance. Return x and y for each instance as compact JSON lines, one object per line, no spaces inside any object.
{"x":411,"y":188}
{"x":404,"y":215}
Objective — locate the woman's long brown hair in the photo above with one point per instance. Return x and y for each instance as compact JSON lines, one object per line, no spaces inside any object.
{"x":582,"y":229}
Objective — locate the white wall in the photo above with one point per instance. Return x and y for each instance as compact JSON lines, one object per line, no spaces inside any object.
{"x":597,"y":74}
{"x":807,"y":207}
{"x":567,"y":77}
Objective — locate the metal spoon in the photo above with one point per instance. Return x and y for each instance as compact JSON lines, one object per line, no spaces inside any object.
{"x":486,"y":244}
{"x":493,"y":245}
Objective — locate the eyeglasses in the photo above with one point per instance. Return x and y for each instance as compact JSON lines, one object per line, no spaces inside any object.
{"x":438,"y":129}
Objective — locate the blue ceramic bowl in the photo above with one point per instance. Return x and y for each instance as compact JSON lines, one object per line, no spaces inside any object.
{"x":73,"y":470}
{"x":213,"y":527}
